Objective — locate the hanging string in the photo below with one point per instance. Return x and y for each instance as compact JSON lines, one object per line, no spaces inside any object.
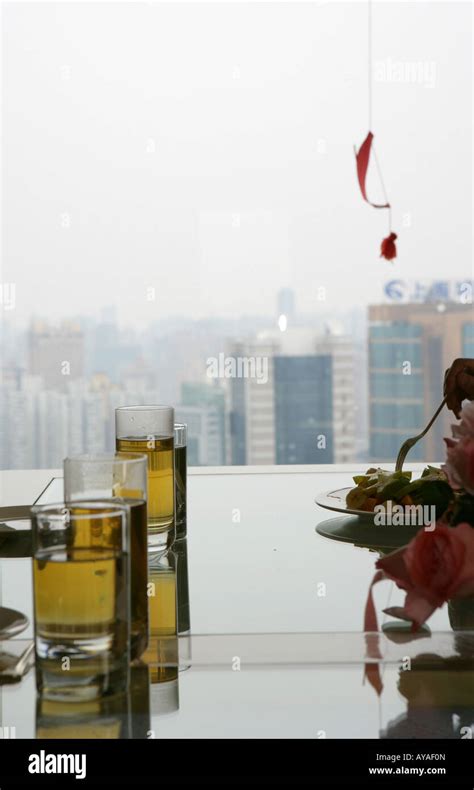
{"x":369,"y":60}
{"x":384,"y":191}
{"x":388,"y":249}
{"x":370,"y":104}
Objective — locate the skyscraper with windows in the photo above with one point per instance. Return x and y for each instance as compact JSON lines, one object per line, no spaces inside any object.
{"x":204,"y":405}
{"x":410,"y":347}
{"x":304,"y":411}
{"x":204,"y":438}
{"x":252,"y":405}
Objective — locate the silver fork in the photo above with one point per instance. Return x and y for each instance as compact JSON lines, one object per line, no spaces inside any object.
{"x":409,"y":443}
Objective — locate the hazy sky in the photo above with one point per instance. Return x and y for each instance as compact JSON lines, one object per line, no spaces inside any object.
{"x":206,"y":150}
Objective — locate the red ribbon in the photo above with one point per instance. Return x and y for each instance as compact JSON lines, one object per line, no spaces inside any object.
{"x":362,"y":161}
{"x":388,"y":249}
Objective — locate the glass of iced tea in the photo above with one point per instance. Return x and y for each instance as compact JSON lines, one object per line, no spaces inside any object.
{"x":122,"y":478}
{"x":81,"y":599}
{"x":150,"y":430}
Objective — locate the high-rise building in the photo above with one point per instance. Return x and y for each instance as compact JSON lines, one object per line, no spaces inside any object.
{"x":204,"y":447}
{"x":56,"y":353}
{"x":210,"y":397}
{"x":410,"y":347}
{"x":302,"y":410}
{"x":18,"y":427}
{"x":342,"y":352}
{"x":252,"y":403}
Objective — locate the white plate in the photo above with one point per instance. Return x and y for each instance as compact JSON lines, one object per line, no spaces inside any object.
{"x":336,"y":500}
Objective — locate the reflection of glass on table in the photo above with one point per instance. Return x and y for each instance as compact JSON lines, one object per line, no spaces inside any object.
{"x":125,"y":715}
{"x":162,"y":653}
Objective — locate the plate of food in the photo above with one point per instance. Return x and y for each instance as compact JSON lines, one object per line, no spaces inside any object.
{"x":378,"y":490}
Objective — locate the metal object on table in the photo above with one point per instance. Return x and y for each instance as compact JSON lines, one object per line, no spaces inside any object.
{"x":14,"y":542}
{"x":15,"y":535}
{"x":11,"y":622}
{"x":409,"y":443}
{"x":15,"y":525}
{"x":13,"y":668}
{"x":15,"y":512}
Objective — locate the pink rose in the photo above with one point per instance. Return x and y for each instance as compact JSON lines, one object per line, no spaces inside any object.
{"x":466,"y":426}
{"x":435,"y":566}
{"x":459,"y":466}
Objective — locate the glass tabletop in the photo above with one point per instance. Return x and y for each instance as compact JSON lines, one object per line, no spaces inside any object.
{"x":255,"y":562}
{"x":269,"y":686}
{"x":276,"y":646}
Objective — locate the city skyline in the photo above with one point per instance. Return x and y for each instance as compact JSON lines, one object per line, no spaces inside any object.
{"x":59,"y":396}
{"x":325,"y":394}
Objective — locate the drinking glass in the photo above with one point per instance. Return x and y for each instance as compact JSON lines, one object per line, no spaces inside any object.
{"x":150,"y":430}
{"x":81,"y":599}
{"x":180,"y":443}
{"x":121,"y":477}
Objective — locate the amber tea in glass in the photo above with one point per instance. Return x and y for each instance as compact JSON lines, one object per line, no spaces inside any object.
{"x":81,"y":599}
{"x":150,"y":430}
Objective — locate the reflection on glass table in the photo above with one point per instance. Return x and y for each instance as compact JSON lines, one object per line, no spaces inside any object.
{"x":439,"y":698}
{"x":162,"y":653}
{"x":125,"y":715}
{"x":276,"y":647}
{"x":274,"y":686}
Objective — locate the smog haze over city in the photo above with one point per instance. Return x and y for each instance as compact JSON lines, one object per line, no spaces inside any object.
{"x":206,"y":151}
{"x":179,"y":187}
